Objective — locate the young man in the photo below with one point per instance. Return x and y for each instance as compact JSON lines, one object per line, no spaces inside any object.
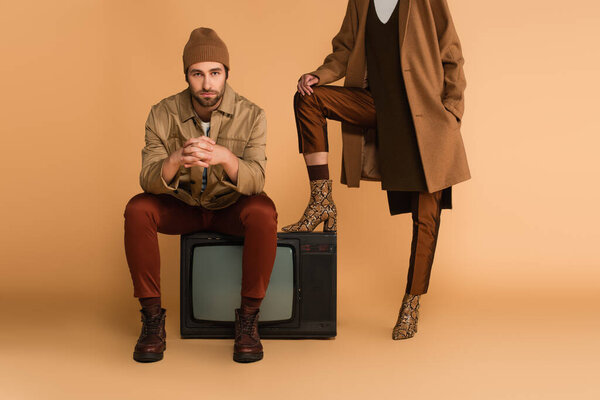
{"x":203,"y":169}
{"x":403,"y":62}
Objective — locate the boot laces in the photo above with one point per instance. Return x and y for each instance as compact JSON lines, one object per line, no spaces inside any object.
{"x":247,"y":324}
{"x":151,"y":325}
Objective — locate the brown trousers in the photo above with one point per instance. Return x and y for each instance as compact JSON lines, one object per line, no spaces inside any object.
{"x":356,"y":106}
{"x":253,"y":217}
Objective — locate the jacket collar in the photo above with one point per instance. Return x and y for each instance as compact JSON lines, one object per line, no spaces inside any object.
{"x":186,"y":108}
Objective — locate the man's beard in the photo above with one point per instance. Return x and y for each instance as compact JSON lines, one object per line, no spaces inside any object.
{"x":208,"y":102}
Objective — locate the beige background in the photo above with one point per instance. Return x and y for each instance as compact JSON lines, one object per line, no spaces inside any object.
{"x":512,"y":311}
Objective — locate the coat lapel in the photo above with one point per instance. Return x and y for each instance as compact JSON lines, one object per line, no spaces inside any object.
{"x":403,"y":12}
{"x":364,"y":9}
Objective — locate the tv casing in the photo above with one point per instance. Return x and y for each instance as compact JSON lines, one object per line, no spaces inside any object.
{"x":315,"y":288}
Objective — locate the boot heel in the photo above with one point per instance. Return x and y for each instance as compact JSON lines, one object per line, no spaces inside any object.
{"x":330,"y":224}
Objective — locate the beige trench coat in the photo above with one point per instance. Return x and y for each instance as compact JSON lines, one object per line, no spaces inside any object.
{"x":432,"y":68}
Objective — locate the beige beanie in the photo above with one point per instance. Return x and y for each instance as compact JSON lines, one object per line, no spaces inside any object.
{"x":204,"y":45}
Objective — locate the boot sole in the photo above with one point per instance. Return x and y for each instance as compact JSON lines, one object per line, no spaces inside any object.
{"x":147,"y":357}
{"x":247,"y":357}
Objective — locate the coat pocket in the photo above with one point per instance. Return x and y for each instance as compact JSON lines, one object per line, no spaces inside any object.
{"x":452,"y":114}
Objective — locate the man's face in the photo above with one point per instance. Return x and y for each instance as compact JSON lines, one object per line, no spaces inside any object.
{"x":207,"y":82}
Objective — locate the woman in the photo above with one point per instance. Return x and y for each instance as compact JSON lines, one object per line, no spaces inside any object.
{"x":401,"y":108}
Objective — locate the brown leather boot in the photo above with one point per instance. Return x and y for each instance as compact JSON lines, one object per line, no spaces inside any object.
{"x":152,"y":341}
{"x":408,"y":317}
{"x":320,"y":208}
{"x":247,"y":347}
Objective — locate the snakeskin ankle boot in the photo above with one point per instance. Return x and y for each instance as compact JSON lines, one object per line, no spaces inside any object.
{"x":408,"y":317}
{"x":321,"y":208}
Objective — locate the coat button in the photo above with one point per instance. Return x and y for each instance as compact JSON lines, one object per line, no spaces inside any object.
{"x":193,"y":182}
{"x":175,"y":191}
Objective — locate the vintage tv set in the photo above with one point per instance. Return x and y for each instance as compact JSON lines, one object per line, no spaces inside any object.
{"x":300,"y":301}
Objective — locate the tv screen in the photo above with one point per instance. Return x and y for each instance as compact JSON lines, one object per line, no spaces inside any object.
{"x":300,"y":301}
{"x":217,"y":282}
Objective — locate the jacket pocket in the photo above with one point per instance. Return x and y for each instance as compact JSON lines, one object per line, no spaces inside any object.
{"x":236,"y":146}
{"x":174,"y":138}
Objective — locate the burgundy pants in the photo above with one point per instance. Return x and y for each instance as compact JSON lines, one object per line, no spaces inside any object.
{"x":253,"y":217}
{"x":356,"y":106}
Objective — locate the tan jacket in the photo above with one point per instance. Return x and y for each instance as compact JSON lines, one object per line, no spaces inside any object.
{"x":237,"y":124}
{"x":432,"y":68}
